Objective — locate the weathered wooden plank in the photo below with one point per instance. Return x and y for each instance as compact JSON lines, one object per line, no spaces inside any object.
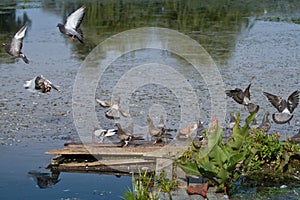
{"x":110,"y":162}
{"x":112,"y":167}
{"x":93,"y":144}
{"x":103,"y":151}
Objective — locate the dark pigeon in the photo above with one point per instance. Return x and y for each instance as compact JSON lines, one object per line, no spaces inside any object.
{"x":284,"y":107}
{"x":72,"y":26}
{"x":240,"y":96}
{"x":39,"y":84}
{"x":16,"y":44}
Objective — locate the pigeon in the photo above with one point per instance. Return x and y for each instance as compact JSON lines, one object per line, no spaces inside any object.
{"x":126,"y":134}
{"x":187,"y":131}
{"x":16,"y":44}
{"x":200,"y":130}
{"x":284,"y":107}
{"x":72,"y":26}
{"x":114,"y":109}
{"x":240,"y":96}
{"x":161,"y":125}
{"x":156,"y":133}
{"x":232,"y":120}
{"x":39,"y":84}
{"x":265,"y":124}
{"x":103,"y":133}
{"x":296,"y":138}
{"x":252,"y":108}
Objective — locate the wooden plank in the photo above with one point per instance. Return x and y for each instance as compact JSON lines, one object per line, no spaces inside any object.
{"x":110,"y":162}
{"x":166,"y":151}
{"x":103,"y":151}
{"x":93,"y":144}
{"x":112,"y":167}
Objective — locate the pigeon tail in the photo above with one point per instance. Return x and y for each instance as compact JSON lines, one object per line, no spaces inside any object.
{"x":24,"y":58}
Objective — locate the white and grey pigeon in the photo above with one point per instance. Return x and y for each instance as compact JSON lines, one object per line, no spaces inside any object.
{"x":16,"y":44}
{"x":104,"y":133}
{"x":72,"y":25}
{"x":39,"y":84}
{"x":284,"y":107}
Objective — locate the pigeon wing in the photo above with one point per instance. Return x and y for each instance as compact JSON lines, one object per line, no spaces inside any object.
{"x":75,"y":19}
{"x":237,"y":95}
{"x":247,"y":91}
{"x":293,"y":101}
{"x":275,"y":101}
{"x":104,"y":104}
{"x":16,"y":43}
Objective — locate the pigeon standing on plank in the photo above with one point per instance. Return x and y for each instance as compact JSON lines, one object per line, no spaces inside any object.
{"x":284,"y":107}
{"x":39,"y":84}
{"x":72,"y":25}
{"x":156,"y":133}
{"x":16,"y":44}
{"x":124,"y":136}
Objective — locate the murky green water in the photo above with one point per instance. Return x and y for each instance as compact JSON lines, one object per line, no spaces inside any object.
{"x":246,"y":39}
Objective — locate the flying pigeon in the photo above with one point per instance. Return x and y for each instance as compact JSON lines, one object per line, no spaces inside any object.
{"x":240,"y":96}
{"x":104,"y":133}
{"x":114,"y":109}
{"x":15,"y":46}
{"x":72,"y":26}
{"x":39,"y":84}
{"x":284,"y":107}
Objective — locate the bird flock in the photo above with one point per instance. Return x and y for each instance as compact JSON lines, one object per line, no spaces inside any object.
{"x":114,"y":111}
{"x":285,"y":108}
{"x":70,"y":28}
{"x":284,"y":114}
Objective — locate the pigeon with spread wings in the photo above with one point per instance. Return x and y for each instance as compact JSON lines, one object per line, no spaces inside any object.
{"x":284,"y":107}
{"x":39,"y":84}
{"x":16,"y":44}
{"x":72,"y":25}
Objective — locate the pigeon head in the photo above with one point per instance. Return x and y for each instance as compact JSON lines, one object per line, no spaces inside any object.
{"x":47,"y":87}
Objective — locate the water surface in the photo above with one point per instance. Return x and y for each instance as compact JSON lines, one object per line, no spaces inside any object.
{"x":246,"y":40}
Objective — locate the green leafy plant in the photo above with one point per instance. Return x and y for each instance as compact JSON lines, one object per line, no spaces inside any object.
{"x":248,"y":150}
{"x":217,"y":161}
{"x":142,"y":188}
{"x":165,"y":184}
{"x":147,"y":186}
{"x":266,"y":150}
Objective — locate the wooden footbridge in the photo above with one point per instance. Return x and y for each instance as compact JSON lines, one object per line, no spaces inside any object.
{"x":114,"y":159}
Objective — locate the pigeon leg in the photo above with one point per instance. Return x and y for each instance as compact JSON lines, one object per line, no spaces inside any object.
{"x":73,"y":37}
